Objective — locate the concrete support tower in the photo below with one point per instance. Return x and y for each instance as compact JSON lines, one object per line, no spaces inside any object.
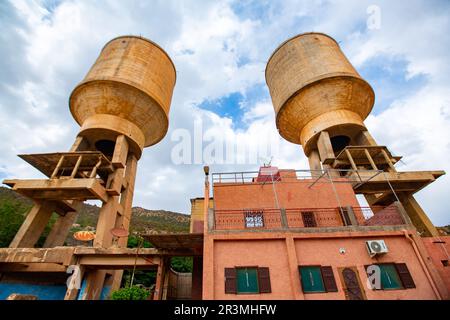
{"x":320,"y":102}
{"x":122,"y":106}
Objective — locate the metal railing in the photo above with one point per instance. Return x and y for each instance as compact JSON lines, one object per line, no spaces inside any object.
{"x":329,"y":175}
{"x":294,"y":218}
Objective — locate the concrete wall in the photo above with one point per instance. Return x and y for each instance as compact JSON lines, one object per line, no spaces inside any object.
{"x":263,"y":253}
{"x":197,"y":213}
{"x":439,"y":249}
{"x":43,"y":292}
{"x":45,"y":286}
{"x":290,"y":194}
{"x":326,"y":253}
{"x":272,"y":250}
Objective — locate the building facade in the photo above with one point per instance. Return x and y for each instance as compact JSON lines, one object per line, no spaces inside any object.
{"x":279,"y":234}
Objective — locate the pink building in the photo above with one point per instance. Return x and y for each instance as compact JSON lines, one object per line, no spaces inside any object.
{"x":282,"y":234}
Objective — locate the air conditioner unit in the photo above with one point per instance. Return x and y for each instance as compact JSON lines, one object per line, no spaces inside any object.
{"x":375,"y":247}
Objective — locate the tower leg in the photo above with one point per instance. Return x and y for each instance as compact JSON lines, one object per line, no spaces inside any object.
{"x":60,"y":230}
{"x":110,"y":213}
{"x":418,"y":217}
{"x":123,"y":220}
{"x":314,"y":163}
{"x":33,"y":226}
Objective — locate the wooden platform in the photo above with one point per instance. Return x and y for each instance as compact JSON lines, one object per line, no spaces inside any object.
{"x":60,"y":189}
{"x":380,"y":185}
{"x":47,"y":162}
{"x":360,"y":158}
{"x":59,"y":258}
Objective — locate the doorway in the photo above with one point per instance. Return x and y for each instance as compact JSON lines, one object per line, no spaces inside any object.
{"x":351,"y":284}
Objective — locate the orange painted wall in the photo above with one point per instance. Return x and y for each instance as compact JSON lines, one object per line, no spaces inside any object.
{"x":326,"y":252}
{"x":439,"y":249}
{"x":262,"y":253}
{"x":272,"y":253}
{"x":295,"y":194}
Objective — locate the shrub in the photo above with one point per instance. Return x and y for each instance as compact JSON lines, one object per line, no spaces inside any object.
{"x":130,"y":293}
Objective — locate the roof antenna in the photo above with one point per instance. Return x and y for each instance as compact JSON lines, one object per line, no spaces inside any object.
{"x":269,"y":163}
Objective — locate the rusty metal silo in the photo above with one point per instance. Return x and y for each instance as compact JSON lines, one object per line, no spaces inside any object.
{"x":314,"y":88}
{"x":127,"y":91}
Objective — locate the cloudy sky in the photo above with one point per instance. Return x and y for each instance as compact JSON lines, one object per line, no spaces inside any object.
{"x":220,"y":49}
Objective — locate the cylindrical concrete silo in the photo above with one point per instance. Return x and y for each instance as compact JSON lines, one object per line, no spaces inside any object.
{"x":127,"y":91}
{"x":315,"y":88}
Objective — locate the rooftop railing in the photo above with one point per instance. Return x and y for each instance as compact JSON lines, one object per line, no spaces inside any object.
{"x":298,"y":218}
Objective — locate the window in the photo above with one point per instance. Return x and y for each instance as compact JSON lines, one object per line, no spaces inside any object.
{"x":247,"y":280}
{"x":309,"y":221}
{"x":316,"y":279}
{"x":389,"y":277}
{"x":254,"y":219}
{"x":345,"y":216}
{"x":395,"y":276}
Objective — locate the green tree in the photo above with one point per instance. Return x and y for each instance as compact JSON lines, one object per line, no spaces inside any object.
{"x":130,"y":293}
{"x":182,"y":264}
{"x":11,"y":218}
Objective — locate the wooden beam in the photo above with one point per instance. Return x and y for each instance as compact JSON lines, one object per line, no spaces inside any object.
{"x":55,"y":172}
{"x":60,"y":255}
{"x":388,"y":160}
{"x":75,"y":168}
{"x":369,"y":157}
{"x":350,"y":158}
{"x":118,"y":262}
{"x":32,"y":267}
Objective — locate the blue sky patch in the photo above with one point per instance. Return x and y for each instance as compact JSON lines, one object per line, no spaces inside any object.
{"x":387,"y":76}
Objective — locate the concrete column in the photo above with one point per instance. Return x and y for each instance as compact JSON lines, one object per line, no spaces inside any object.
{"x":160,"y":278}
{"x":107,"y":218}
{"x":293,"y":269}
{"x":94,"y":285}
{"x":352,"y":216}
{"x":314,"y":163}
{"x":60,"y":230}
{"x":33,"y":226}
{"x":418,"y":217}
{"x":325,"y":148}
{"x":208,"y":268}
{"x":364,"y":138}
{"x":123,"y":220}
{"x":197,"y":273}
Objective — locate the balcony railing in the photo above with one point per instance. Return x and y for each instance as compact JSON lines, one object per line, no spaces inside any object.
{"x":273,"y":219}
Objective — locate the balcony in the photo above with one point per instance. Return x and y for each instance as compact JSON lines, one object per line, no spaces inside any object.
{"x":302,"y":219}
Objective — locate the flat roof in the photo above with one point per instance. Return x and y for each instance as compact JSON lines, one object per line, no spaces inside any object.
{"x":177,"y":241}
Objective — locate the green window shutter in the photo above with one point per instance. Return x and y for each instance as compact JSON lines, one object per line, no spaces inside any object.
{"x":230,"y":280}
{"x":311,"y":279}
{"x":328,"y":279}
{"x":247,"y":280}
{"x":389,"y":277}
{"x":264,"y":280}
{"x":405,"y":276}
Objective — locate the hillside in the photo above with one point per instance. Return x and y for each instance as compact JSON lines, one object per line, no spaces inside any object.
{"x":13,"y":208}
